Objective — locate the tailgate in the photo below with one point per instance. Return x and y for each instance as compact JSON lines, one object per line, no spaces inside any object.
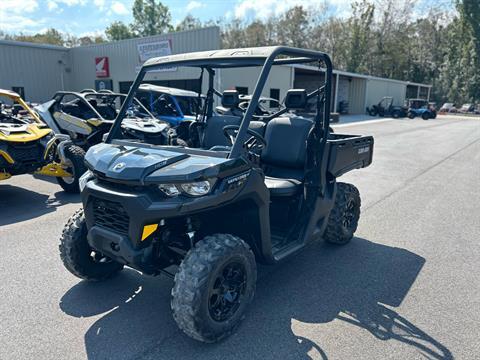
{"x":348,"y":152}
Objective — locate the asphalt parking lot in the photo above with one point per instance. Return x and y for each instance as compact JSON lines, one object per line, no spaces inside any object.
{"x":407,"y":287}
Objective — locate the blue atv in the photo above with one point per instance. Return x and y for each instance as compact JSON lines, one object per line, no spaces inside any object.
{"x":170,"y":104}
{"x":421,"y":108}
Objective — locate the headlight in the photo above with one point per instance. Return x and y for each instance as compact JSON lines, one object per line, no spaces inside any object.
{"x":86,"y":177}
{"x":198,"y":188}
{"x":169,"y":189}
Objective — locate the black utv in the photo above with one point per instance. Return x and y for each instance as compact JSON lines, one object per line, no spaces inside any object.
{"x":206,"y":215}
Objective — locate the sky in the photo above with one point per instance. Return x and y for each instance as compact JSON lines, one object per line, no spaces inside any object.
{"x":89,"y":17}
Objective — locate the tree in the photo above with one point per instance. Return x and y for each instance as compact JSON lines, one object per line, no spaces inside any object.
{"x":118,"y":31}
{"x":189,"y":23}
{"x":293,"y":27}
{"x":51,"y":36}
{"x":151,"y":17}
{"x":360,"y":32}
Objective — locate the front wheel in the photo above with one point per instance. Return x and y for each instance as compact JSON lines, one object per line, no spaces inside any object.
{"x":411,"y":115}
{"x":77,"y":255}
{"x":425,"y":115}
{"x":213,"y":287}
{"x":75,"y":165}
{"x":343,"y":219}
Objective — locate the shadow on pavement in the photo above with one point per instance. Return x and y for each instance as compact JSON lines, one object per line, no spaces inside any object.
{"x":354,"y":284}
{"x":19,"y":204}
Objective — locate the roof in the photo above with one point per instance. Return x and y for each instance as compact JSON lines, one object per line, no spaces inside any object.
{"x":168,"y":90}
{"x":241,"y":57}
{"x":32,"y":45}
{"x":360,"y":76}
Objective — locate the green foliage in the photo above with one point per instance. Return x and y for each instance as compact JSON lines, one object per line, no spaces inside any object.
{"x":189,"y":23}
{"x":150,"y":17}
{"x":51,"y":36}
{"x":118,"y":31}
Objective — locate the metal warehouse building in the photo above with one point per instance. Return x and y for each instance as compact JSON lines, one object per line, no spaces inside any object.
{"x":38,"y":71}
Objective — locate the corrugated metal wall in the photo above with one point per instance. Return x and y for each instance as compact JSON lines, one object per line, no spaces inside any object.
{"x":124,"y":58}
{"x":356,"y":96}
{"x":280,"y":78}
{"x":377,"y":89}
{"x":37,"y":68}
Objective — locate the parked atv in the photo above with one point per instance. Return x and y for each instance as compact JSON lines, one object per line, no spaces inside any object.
{"x":170,"y":104}
{"x":385,"y":107}
{"x":28,"y":146}
{"x":421,"y":108}
{"x":210,"y":214}
{"x":88,"y":115}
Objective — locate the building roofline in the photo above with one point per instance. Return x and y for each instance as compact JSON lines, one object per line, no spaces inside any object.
{"x":362,"y":76}
{"x":35,"y":45}
{"x":146,"y":38}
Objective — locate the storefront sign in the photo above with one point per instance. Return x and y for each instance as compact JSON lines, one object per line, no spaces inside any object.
{"x":154,"y":49}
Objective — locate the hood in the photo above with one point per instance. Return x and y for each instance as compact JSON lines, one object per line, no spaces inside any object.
{"x":23,"y":132}
{"x":149,"y":126}
{"x":146,"y":164}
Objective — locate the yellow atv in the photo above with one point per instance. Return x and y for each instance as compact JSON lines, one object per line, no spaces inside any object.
{"x":28,"y":146}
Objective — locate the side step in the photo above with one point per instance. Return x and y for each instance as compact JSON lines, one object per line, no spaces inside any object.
{"x":281,"y":249}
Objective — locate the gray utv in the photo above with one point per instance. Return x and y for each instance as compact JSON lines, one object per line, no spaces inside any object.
{"x":248,"y":192}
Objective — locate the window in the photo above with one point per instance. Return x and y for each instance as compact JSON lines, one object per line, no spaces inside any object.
{"x":20,"y":90}
{"x":242,"y":90}
{"x":274,"y":94}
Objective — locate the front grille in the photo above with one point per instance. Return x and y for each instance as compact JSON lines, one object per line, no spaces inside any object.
{"x":25,"y":152}
{"x":110,"y":215}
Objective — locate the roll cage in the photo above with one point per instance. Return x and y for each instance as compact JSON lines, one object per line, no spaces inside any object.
{"x":84,"y":96}
{"x":265,"y":57}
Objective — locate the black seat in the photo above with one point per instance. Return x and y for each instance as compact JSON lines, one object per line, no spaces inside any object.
{"x":284,"y":156}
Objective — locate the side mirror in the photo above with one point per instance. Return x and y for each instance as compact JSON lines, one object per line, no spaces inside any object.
{"x":296,"y":99}
{"x":104,"y":137}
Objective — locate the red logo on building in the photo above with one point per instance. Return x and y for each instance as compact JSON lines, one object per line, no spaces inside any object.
{"x":101,"y":67}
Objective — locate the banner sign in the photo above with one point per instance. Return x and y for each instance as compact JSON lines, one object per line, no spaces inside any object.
{"x":102,"y":68}
{"x":155,"y":49}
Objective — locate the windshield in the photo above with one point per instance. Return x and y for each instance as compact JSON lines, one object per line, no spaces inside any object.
{"x":108,"y":106}
{"x":189,"y":105}
{"x":16,"y":112}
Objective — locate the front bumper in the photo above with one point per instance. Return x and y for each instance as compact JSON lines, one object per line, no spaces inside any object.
{"x":117,"y":214}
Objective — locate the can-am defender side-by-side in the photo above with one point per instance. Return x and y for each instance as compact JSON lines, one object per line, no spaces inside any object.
{"x":209,"y":214}
{"x":28,"y":146}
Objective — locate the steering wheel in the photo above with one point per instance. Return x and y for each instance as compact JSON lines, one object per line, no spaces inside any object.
{"x":254,"y":144}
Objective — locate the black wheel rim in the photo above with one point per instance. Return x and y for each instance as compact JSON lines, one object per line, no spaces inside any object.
{"x":227,"y":291}
{"x":349,"y":215}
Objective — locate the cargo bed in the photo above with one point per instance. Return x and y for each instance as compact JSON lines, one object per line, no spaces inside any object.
{"x":348,"y":152}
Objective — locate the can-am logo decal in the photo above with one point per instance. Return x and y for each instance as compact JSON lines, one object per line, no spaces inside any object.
{"x":363,"y":150}
{"x":119,"y":166}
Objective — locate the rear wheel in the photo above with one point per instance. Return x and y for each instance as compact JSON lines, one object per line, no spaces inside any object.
{"x":213,"y":287}
{"x":396,"y":114}
{"x":75,"y":165}
{"x":426,"y":115}
{"x":77,"y":255}
{"x":343,"y":219}
{"x":411,"y":115}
